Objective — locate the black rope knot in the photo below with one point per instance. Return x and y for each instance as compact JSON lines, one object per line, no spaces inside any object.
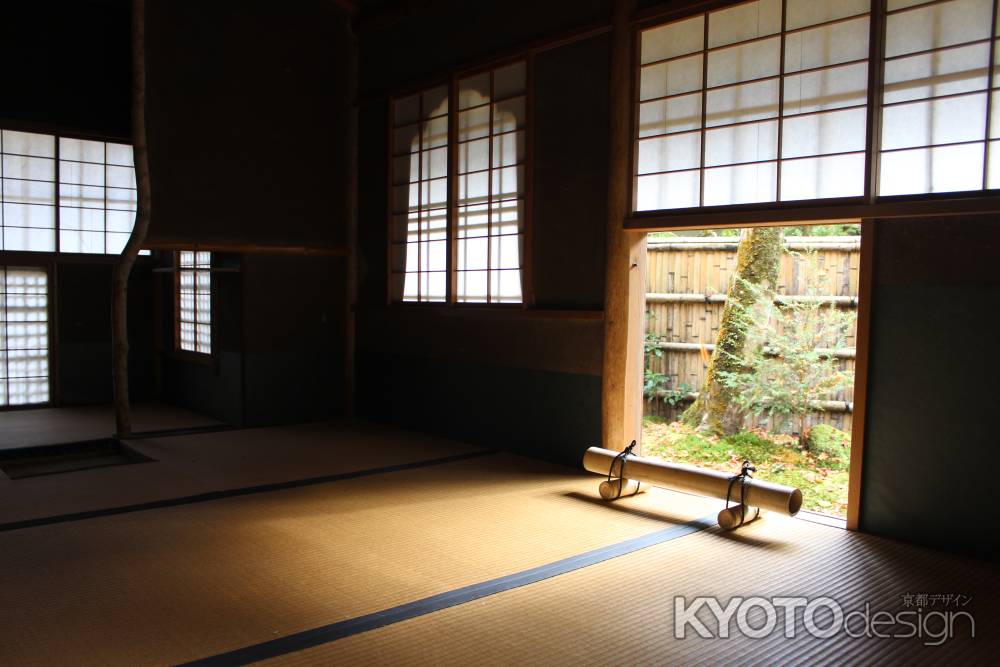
{"x":744,"y":476}
{"x":621,"y":458}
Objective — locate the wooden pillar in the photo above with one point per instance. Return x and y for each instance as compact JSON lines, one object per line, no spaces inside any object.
{"x":624,"y":290}
{"x":862,"y":342}
{"x":351,"y":205}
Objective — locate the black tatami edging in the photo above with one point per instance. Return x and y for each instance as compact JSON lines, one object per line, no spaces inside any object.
{"x":329,"y":633}
{"x":243,"y":491}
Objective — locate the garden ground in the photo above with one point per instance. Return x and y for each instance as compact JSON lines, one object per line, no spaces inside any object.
{"x":819,"y":471}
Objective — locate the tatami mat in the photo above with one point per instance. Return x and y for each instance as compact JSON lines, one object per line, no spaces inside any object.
{"x":191,"y":581}
{"x":622,"y":611}
{"x":46,"y":426}
{"x":196,"y":464}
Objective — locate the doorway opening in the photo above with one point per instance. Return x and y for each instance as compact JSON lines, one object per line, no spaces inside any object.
{"x":749,"y":354}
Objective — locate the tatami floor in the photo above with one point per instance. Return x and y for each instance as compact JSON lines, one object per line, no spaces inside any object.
{"x":46,"y":426}
{"x":361,"y":544}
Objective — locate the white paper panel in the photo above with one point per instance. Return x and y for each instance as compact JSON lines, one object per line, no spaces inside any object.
{"x":744,"y":62}
{"x":940,"y":169}
{"x":472,"y":286}
{"x":29,"y":215}
{"x":741,"y":143}
{"x":473,"y":253}
{"x":81,"y":150}
{"x":435,"y":132}
{"x":663,"y":191}
{"x":34,"y":168}
{"x":937,"y":25}
{"x":434,"y":193}
{"x":799,"y":13}
{"x":672,"y":40}
{"x":505,"y":286}
{"x":119,"y":154}
{"x":842,"y":86}
{"x":434,"y":163}
{"x":473,"y":188}
{"x":81,"y":241}
{"x":931,"y":122}
{"x":751,"y":101}
{"x":671,"y":78}
{"x":957,"y":70}
{"x":827,"y":45}
{"x":508,"y":182}
{"x":505,"y":251}
{"x":819,"y":134}
{"x":474,"y":123}
{"x":508,"y":149}
{"x":28,"y":143}
{"x":82,"y":173}
{"x":744,"y":21}
{"x":507,"y":216}
{"x":28,"y":192}
{"x":474,"y":90}
{"x":18,"y":238}
{"x":473,"y":220}
{"x":404,"y":140}
{"x":670,"y":153}
{"x":824,"y":177}
{"x":82,"y":218}
{"x":474,"y":155}
{"x":509,"y":115}
{"x":120,"y":177}
{"x":666,"y":116}
{"x":742,"y":184}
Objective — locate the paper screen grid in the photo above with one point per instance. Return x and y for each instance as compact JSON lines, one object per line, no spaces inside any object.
{"x":194,"y":301}
{"x":24,"y":336}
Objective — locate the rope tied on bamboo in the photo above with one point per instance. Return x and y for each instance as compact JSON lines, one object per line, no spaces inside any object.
{"x":744,"y":478}
{"x":621,"y":458}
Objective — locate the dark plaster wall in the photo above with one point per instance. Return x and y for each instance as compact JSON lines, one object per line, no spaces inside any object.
{"x":933,"y":384}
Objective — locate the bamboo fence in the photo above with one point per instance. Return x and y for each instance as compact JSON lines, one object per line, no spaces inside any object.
{"x":687,"y":281}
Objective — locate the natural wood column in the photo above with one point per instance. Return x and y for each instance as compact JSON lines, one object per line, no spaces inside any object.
{"x":624,"y":287}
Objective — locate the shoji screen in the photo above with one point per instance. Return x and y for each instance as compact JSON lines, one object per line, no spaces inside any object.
{"x":420,"y":196}
{"x":194,"y":301}
{"x":24,"y":336}
{"x":491,"y":185}
{"x":28,"y":172}
{"x":758,"y":102}
{"x":97,"y":196}
{"x":939,"y":117}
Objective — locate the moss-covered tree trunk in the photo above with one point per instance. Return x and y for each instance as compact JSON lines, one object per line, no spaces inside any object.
{"x":757,"y":262}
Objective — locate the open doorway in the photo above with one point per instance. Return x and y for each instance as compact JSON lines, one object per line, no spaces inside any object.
{"x":750,"y":347}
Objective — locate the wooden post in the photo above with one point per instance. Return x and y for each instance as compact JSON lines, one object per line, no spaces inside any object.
{"x":862,"y":344}
{"x":351,"y":204}
{"x":624,"y":290}
{"x":123,"y":267}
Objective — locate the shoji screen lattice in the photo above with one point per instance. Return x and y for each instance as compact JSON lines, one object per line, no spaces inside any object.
{"x":24,"y":336}
{"x":762,"y":101}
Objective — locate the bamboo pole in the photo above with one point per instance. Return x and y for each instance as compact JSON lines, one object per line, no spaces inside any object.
{"x":818,"y":406}
{"x":679,"y":477}
{"x":838,"y":352}
{"x":662,"y":297}
{"x":123,"y":266}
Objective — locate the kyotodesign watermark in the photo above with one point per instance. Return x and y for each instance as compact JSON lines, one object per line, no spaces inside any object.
{"x":823,"y":617}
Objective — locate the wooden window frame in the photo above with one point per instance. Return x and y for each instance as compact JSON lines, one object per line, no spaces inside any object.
{"x":849,"y":209}
{"x":451,"y":80}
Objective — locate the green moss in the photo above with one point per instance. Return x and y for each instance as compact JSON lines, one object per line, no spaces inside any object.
{"x":821,"y":477}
